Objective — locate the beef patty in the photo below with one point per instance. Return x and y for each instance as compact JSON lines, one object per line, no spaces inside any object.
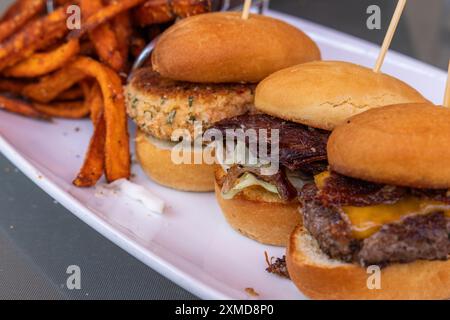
{"x":420,"y":237}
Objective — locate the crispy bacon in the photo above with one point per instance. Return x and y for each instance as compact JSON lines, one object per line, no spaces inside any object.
{"x":301,"y":147}
{"x":339,"y":190}
{"x":437,"y":195}
{"x":277,"y":266}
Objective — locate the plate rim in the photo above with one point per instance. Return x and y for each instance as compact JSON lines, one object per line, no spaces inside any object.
{"x":163,"y":267}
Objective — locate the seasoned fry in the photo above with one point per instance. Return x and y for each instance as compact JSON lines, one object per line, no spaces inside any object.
{"x":20,"y":107}
{"x":11,"y":11}
{"x":49,"y":87}
{"x":95,"y":101}
{"x":107,"y":48}
{"x":21,"y":13}
{"x":187,"y":8}
{"x":162,"y":11}
{"x":103,"y":37}
{"x":124,"y":31}
{"x":94,"y":163}
{"x":154,"y":12}
{"x":40,"y":64}
{"x":12,"y":86}
{"x":87,"y":48}
{"x":36,"y":35}
{"x":57,"y":78}
{"x":69,"y":110}
{"x":74,"y":93}
{"x":104,"y":15}
{"x":65,"y":108}
{"x":64,"y":2}
{"x":117,"y":152}
{"x":137,"y":45}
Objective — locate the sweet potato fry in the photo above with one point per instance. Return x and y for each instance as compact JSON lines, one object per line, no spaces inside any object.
{"x":154,"y":12}
{"x":36,"y":35}
{"x":74,"y":93}
{"x":11,"y":11}
{"x":91,"y":90}
{"x":103,"y":37}
{"x":64,"y":2}
{"x":104,"y":15}
{"x":22,"y":12}
{"x":187,"y":8}
{"x":162,"y":11}
{"x":138,"y":44}
{"x":13,"y":86}
{"x":117,"y":152}
{"x":68,"y":110}
{"x":20,"y":107}
{"x":94,"y":163}
{"x":95,"y":101}
{"x":107,"y":47}
{"x":49,"y":87}
{"x":40,"y":64}
{"x":87,"y":48}
{"x":124,"y":31}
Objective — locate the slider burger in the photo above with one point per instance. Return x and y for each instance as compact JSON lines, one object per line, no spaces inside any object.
{"x":384,"y":203}
{"x":303,"y":103}
{"x":204,"y":69}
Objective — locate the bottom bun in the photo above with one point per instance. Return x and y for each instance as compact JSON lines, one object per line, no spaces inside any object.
{"x":257,"y":216}
{"x":320,"y":277}
{"x":156,"y":161}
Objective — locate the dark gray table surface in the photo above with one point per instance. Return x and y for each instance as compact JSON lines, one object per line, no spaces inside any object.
{"x":39,"y":238}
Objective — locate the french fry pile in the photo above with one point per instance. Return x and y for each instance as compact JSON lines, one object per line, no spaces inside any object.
{"x":48,"y":71}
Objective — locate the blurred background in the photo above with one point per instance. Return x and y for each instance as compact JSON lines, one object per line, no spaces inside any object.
{"x":39,"y":238}
{"x":423,"y":32}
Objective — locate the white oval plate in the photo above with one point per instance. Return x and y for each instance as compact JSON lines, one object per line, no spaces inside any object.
{"x":191,"y":244}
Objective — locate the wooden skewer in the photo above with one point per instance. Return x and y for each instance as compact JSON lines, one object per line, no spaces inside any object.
{"x":246,"y":10}
{"x":447,"y":89}
{"x":390,"y":34}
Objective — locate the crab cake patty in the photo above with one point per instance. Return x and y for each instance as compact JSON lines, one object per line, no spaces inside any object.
{"x":159,"y":106}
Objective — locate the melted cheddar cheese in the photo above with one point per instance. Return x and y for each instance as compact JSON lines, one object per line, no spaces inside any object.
{"x":320,"y":179}
{"x":368,"y":220}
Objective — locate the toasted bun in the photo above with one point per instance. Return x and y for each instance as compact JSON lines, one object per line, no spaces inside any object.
{"x":222,"y":47}
{"x":319,"y":277}
{"x":404,"y":145}
{"x":157,"y":163}
{"x":258,"y":214}
{"x":324,"y":94}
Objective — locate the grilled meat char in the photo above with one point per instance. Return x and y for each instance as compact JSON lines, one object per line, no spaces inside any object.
{"x":301,"y":148}
{"x":419,"y":237}
{"x":300,"y":145}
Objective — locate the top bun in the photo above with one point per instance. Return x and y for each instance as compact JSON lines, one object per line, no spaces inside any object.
{"x":403,"y":145}
{"x":224,"y":48}
{"x":324,"y":94}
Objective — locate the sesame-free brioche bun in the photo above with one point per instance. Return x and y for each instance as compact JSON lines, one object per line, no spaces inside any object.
{"x":320,"y":277}
{"x":258,"y":214}
{"x":403,"y":145}
{"x":155,"y":159}
{"x":323,"y":94}
{"x":224,"y":48}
